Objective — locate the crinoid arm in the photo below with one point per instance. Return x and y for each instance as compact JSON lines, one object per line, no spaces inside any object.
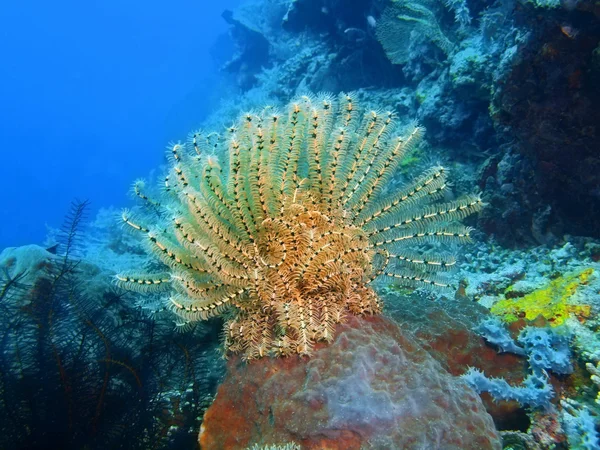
{"x":282,"y":223}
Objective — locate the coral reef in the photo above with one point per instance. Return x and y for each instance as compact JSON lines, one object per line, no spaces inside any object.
{"x":288,"y":240}
{"x":547,"y":101}
{"x":447,"y":330}
{"x":580,"y":426}
{"x":298,"y":222}
{"x":404,"y":23}
{"x":373,"y":387}
{"x":561,"y":354}
{"x":550,"y":302}
{"x":252,"y":51}
{"x":513,"y":90}
{"x":546,"y":350}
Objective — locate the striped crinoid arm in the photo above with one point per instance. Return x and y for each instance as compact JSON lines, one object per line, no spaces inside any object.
{"x":412,"y":237}
{"x":283,"y":222}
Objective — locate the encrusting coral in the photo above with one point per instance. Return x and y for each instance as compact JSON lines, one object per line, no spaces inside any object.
{"x":288,"y":239}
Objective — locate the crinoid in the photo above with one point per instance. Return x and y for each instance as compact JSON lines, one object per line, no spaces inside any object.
{"x":287,"y":239}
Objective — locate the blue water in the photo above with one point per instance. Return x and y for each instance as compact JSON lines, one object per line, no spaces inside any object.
{"x":91,"y":92}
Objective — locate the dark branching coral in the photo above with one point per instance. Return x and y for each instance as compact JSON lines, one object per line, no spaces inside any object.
{"x":288,"y":239}
{"x":11,"y":285}
{"x":69,"y":376}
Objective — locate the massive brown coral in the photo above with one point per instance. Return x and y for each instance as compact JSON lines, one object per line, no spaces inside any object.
{"x":287,"y":240}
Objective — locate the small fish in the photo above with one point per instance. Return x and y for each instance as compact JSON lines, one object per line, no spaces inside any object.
{"x":53,"y":249}
{"x":569,"y":31}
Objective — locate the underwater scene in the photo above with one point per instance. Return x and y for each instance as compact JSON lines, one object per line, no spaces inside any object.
{"x":300,"y":224}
